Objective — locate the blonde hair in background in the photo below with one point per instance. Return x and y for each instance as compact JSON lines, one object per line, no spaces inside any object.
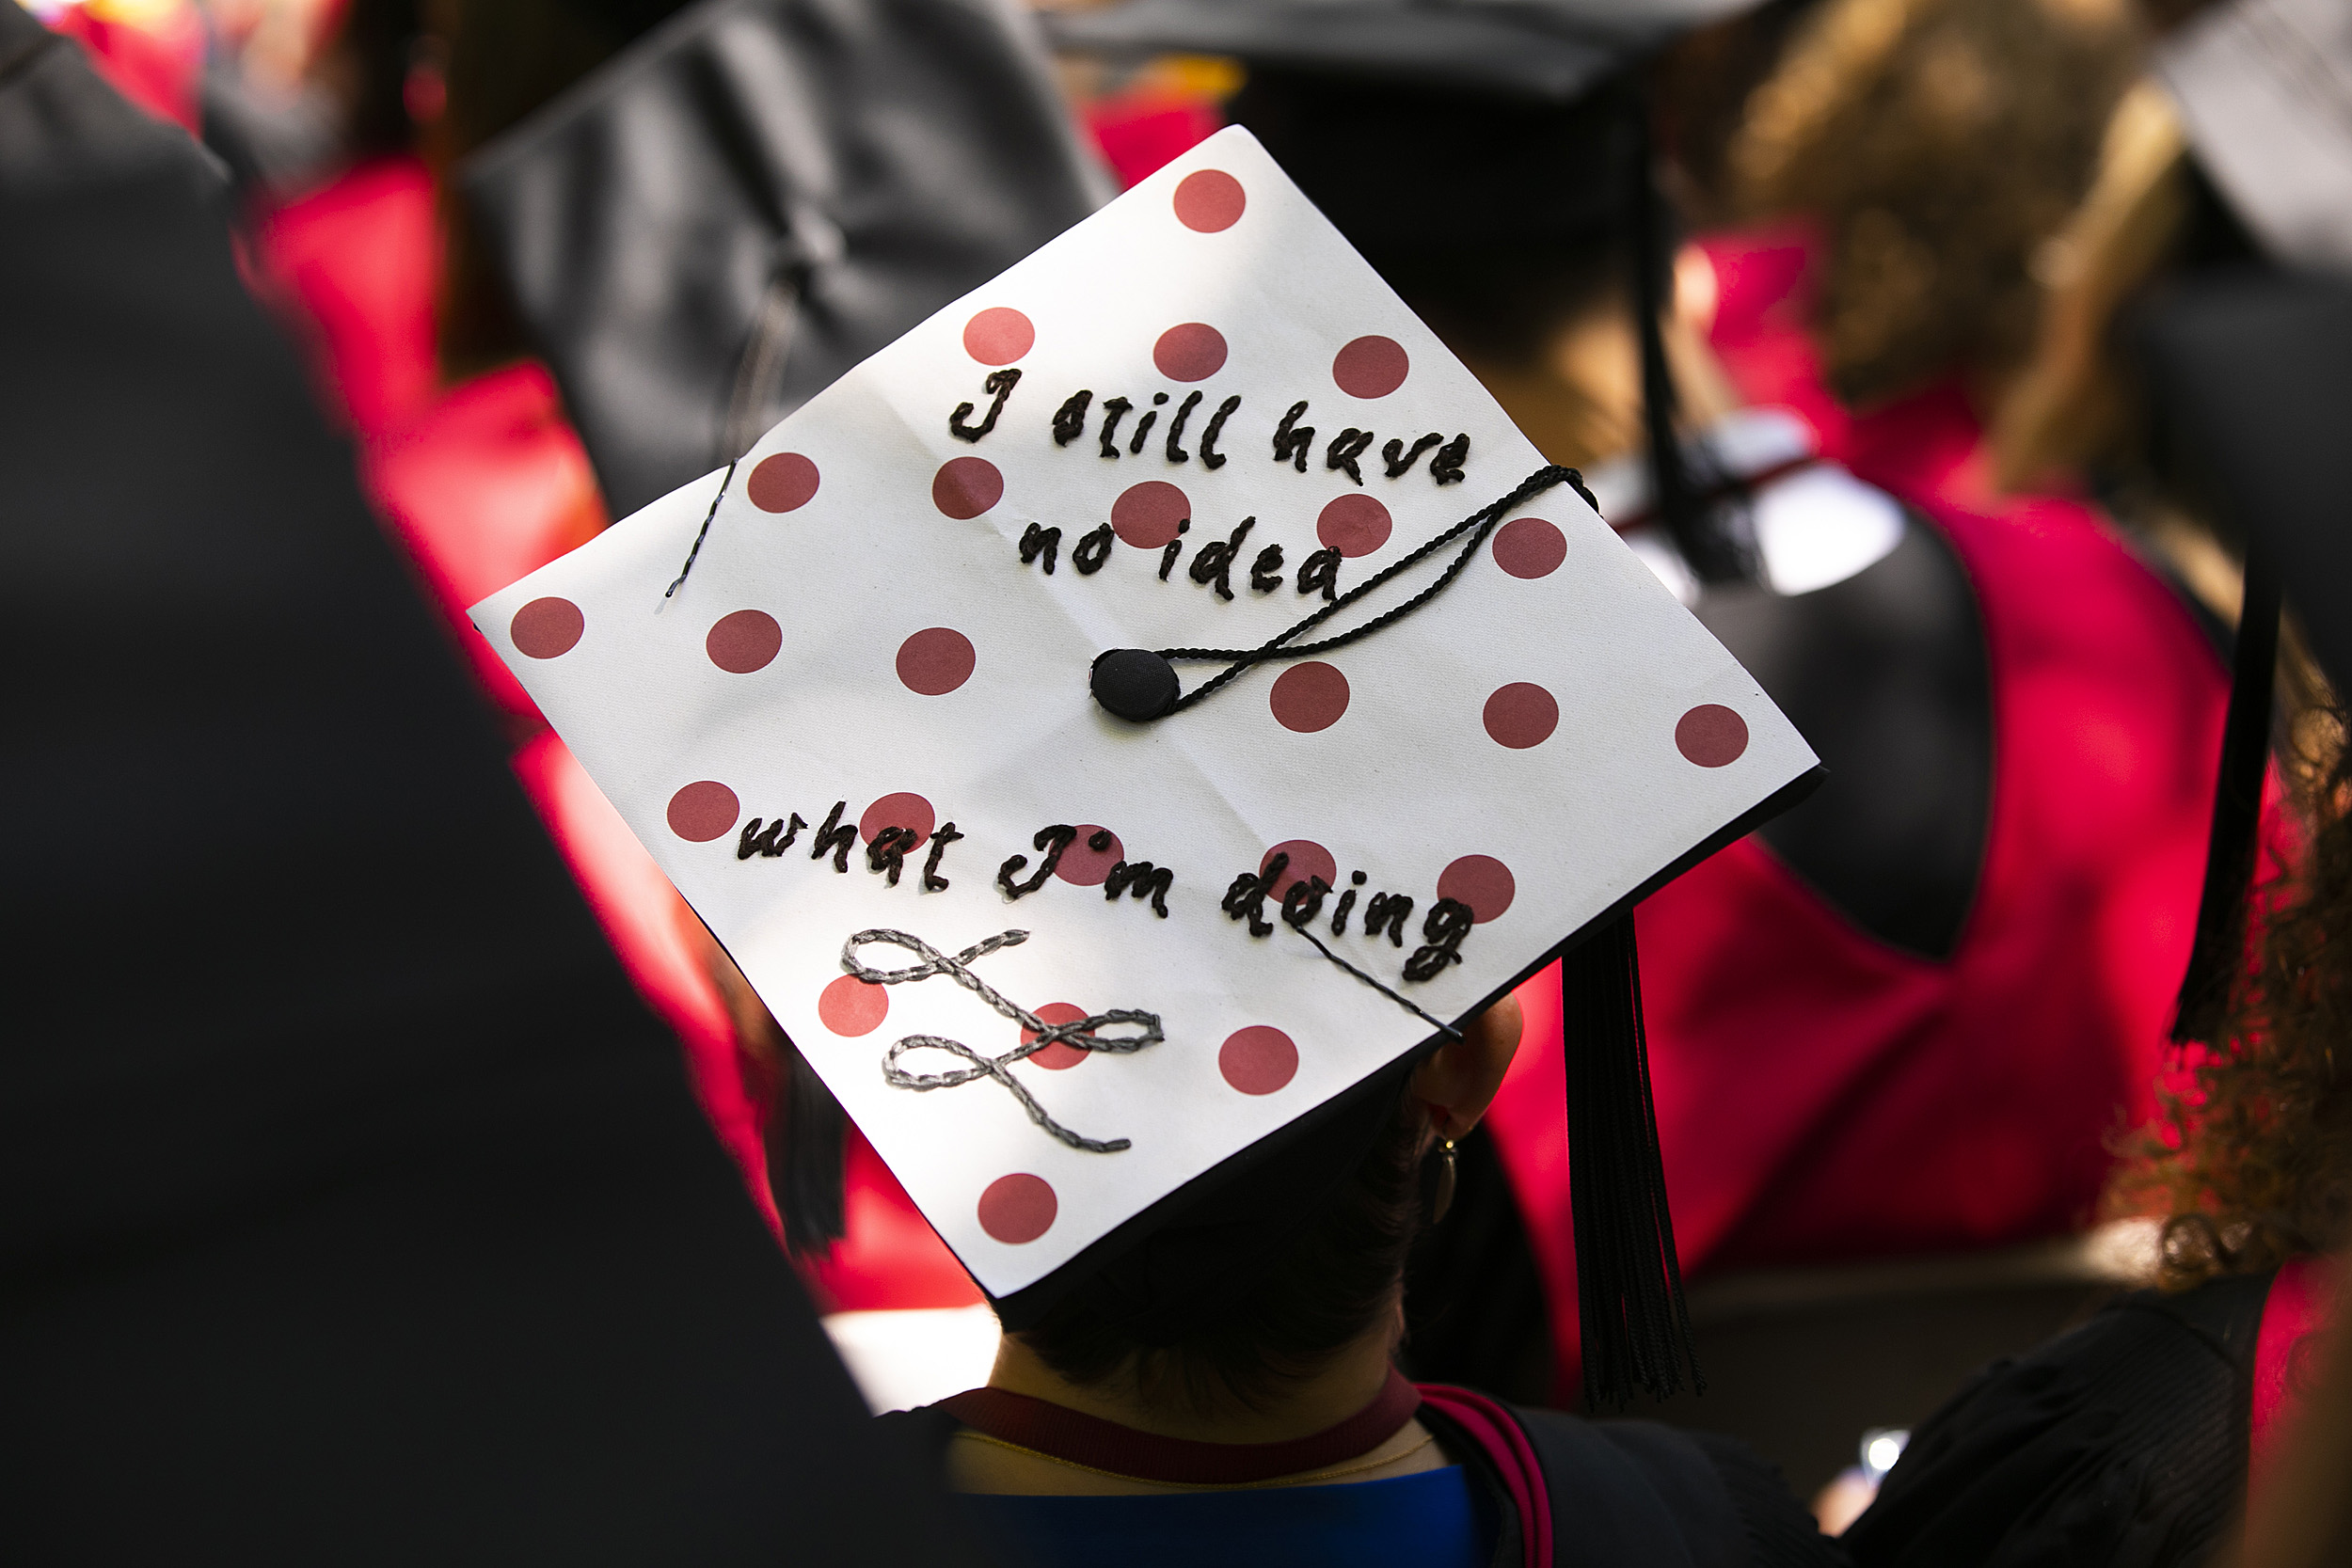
{"x":2071,"y":405}
{"x":1938,"y":144}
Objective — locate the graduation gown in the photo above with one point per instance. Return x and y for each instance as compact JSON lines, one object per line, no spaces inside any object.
{"x":1568,"y":1493}
{"x":2120,"y":1444}
{"x":357,"y":1209}
{"x":1905,"y":1019}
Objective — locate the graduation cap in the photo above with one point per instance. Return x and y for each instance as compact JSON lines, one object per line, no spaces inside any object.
{"x":1121,"y":726}
{"x":2247,"y":368}
{"x":755,"y":195}
{"x":2264,"y":93}
{"x":2252,"y":372}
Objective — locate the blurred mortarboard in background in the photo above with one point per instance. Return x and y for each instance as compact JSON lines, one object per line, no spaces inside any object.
{"x":756,"y":195}
{"x":2264,"y":93}
{"x":2250,"y":370}
{"x":359,"y":1211}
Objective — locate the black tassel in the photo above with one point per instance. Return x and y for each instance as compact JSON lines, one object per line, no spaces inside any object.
{"x":2217,"y":959}
{"x":1636,"y":1327}
{"x":805,"y":1154}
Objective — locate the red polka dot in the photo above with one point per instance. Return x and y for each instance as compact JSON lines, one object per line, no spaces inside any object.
{"x":998,"y":336}
{"x":1057,"y":1058}
{"x":1521,"y":715}
{"x":1193,"y":351}
{"x":1258,"y":1059}
{"x":1371,"y":367}
{"x":1086,"y":866}
{"x":1308,"y":859}
{"x":1209,"y":200}
{"x":935,"y":661}
{"x":743,"y":642}
{"x":1354,"y":525}
{"x":784,"y":482}
{"x":1018,"y":1207}
{"x":1147,"y":515}
{"x":850,"y":1007}
{"x":1711,"y":735}
{"x":966,"y":486}
{"x":545,"y":628}
{"x":901,"y":810}
{"x":1483,"y":882}
{"x":1530,"y":548}
{"x":704,"y":811}
{"x":1309,"y":697}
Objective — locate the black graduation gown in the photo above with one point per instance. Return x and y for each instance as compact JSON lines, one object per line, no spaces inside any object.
{"x":357,"y":1211}
{"x":1622,"y":1493}
{"x":2120,"y":1444}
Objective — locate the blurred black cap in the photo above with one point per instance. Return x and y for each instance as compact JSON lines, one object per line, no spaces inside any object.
{"x":2252,"y":369}
{"x":753,"y":197}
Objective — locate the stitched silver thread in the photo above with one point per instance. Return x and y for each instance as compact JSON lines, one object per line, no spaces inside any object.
{"x":1079,"y":1033}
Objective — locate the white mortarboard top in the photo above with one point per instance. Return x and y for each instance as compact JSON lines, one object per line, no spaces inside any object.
{"x":861,"y":739}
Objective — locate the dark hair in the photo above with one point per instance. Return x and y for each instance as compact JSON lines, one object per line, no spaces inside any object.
{"x":1322,"y":1284}
{"x":1495,"y":219}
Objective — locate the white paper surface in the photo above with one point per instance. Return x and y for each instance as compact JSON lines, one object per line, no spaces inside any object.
{"x":1407,"y":780}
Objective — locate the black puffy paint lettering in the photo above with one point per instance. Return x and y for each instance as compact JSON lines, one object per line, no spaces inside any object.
{"x":1320,"y":573}
{"x":837,"y":839}
{"x":932,"y":880}
{"x":1290,"y":445}
{"x":1037,"y":541}
{"x":1059,"y":837}
{"x":1070,"y":419}
{"x":1210,"y":456}
{"x":1346,"y":452}
{"x":1176,"y":428}
{"x":1450,"y":921}
{"x":1213,"y":561}
{"x":1114,"y":410}
{"x":1001,"y":383}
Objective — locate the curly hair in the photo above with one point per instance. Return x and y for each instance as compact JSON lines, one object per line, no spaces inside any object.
{"x":1938,"y":144}
{"x":2249,"y":1159}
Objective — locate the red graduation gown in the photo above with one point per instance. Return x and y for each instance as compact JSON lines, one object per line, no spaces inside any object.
{"x":1823,"y":1096}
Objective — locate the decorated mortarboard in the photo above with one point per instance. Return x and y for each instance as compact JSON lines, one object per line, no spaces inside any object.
{"x":753,"y":197}
{"x":1151,"y":701}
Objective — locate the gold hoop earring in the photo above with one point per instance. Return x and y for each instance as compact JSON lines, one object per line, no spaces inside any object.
{"x":1445,"y":1183}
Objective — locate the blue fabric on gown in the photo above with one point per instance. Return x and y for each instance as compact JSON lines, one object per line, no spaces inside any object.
{"x":1433,"y":1519}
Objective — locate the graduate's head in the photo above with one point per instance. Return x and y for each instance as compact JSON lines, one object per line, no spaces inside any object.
{"x":1497,"y":165}
{"x":1267,"y":1284}
{"x":1500,"y":220}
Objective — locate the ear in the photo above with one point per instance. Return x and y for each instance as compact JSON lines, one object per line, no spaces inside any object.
{"x":1460,"y":1079}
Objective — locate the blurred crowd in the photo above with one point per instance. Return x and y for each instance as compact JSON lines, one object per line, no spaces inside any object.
{"x":1931,"y":1092}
